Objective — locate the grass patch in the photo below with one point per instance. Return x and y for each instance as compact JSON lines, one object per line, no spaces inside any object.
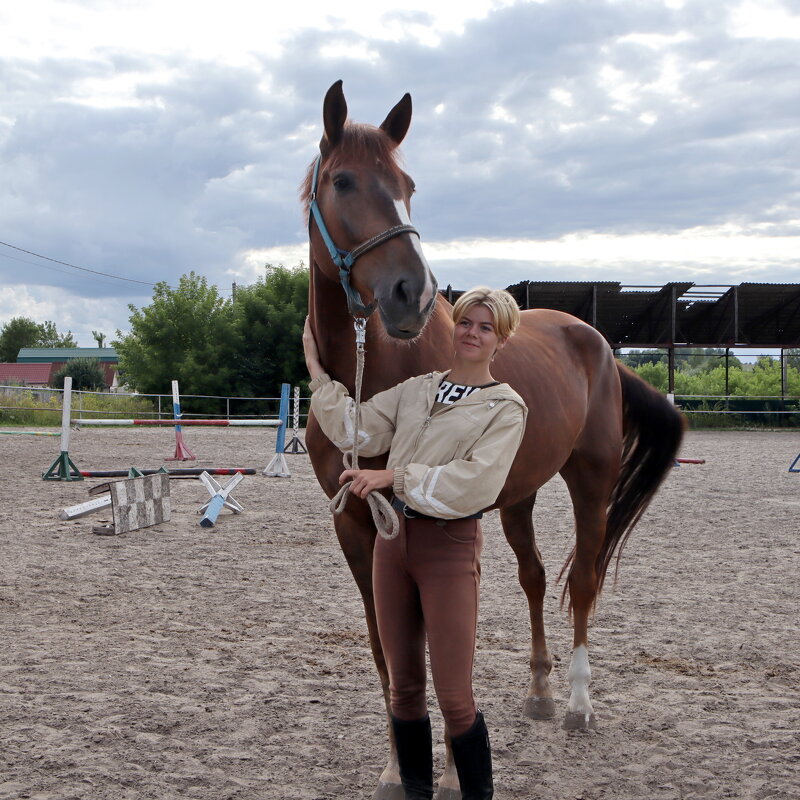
{"x":42,"y":407}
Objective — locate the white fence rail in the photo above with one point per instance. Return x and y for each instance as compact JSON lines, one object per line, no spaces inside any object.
{"x":162,"y":404}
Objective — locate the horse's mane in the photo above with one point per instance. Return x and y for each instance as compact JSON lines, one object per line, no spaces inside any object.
{"x":362,"y":143}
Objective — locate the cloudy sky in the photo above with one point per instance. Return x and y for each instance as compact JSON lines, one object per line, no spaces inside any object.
{"x":641,"y":141}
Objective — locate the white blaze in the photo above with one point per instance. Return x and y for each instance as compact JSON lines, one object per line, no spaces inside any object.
{"x":427,"y":291}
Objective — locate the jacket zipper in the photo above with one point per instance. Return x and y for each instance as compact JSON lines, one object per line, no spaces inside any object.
{"x":421,"y":431}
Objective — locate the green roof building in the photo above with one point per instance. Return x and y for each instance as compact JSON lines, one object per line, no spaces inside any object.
{"x":41,"y":355}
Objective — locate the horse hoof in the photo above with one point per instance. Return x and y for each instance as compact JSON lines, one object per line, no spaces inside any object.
{"x":575,"y":721}
{"x":539,"y":707}
{"x":447,"y":793}
{"x":389,"y":791}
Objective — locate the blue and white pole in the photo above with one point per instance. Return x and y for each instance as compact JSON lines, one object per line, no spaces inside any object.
{"x":278,"y":468}
{"x":182,"y":452}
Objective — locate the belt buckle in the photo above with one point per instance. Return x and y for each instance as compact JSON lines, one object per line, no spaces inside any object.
{"x":406,"y":509}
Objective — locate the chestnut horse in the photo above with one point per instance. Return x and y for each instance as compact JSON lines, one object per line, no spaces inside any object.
{"x":610,"y":436}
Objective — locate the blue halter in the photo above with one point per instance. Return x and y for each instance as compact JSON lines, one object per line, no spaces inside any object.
{"x":344,"y":259}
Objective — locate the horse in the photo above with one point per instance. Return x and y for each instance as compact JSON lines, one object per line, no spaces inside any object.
{"x":611,"y":436}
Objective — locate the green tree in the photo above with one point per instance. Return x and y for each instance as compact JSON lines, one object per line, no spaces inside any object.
{"x":638,"y":358}
{"x":21,"y":332}
{"x":185,"y":334}
{"x":695,"y":360}
{"x":86,"y":374}
{"x":17,"y":333}
{"x":50,"y":337}
{"x":99,"y":338}
{"x":657,"y":375}
{"x":765,"y":379}
{"x":268,"y":317}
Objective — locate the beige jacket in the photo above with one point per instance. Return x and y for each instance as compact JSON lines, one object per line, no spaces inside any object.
{"x":450,"y":464}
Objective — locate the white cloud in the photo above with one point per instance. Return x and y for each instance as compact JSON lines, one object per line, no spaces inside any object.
{"x":81,"y":315}
{"x":655,"y":41}
{"x":764,"y":19}
{"x":715,"y":245}
{"x":250,"y":264}
{"x":233,"y":34}
{"x":562,"y":96}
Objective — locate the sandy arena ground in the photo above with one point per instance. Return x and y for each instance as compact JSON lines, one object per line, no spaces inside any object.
{"x":232,"y":662}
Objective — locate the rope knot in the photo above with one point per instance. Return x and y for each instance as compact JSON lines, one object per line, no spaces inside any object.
{"x":382,"y":512}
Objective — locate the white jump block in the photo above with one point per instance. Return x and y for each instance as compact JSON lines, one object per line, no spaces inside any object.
{"x":89,"y":507}
{"x":214,"y":487}
{"x":220,"y":497}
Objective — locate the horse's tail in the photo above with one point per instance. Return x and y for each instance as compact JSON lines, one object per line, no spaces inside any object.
{"x":652,"y":433}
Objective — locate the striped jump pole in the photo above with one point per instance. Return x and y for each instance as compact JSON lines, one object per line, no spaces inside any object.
{"x":182,"y":452}
{"x":167,"y":423}
{"x":295,"y":445}
{"x":180,"y":472}
{"x":62,"y":469}
{"x":278,"y":468}
{"x":30,"y":433}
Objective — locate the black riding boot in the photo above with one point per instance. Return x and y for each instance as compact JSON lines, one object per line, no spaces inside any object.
{"x":474,"y":761}
{"x":415,"y":756}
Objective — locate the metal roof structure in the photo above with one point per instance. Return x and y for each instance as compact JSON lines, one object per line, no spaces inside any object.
{"x":26,"y":374}
{"x":673,"y":315}
{"x":42,"y":355}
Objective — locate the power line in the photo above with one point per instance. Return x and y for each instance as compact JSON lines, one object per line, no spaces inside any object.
{"x":73,"y":266}
{"x":47,"y":266}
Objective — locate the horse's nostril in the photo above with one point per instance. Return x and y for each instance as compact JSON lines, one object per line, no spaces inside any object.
{"x":400,"y":292}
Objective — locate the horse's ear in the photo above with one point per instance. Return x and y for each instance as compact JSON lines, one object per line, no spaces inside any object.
{"x":334,"y":114}
{"x":398,"y":120}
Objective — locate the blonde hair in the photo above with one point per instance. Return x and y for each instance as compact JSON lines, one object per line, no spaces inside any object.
{"x":502,"y":306}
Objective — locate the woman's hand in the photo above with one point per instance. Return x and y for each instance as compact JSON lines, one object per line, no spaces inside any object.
{"x":365,"y":480}
{"x":311,"y":352}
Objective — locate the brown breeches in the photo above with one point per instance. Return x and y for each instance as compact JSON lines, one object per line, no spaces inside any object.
{"x":426,"y":582}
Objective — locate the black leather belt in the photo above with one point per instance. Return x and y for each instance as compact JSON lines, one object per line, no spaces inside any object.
{"x":410,"y":513}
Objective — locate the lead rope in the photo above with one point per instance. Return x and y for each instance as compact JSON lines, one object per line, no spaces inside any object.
{"x":382,"y":512}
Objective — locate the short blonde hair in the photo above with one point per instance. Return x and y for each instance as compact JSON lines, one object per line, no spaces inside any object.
{"x":502,"y":306}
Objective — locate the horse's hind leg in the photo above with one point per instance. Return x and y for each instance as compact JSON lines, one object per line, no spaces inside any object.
{"x":590,"y":481}
{"x":517,"y":524}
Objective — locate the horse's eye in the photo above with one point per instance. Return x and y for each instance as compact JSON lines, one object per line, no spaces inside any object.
{"x":341,"y":183}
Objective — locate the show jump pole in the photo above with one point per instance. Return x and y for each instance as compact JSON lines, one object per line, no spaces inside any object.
{"x":278,"y":468}
{"x":295,"y":446}
{"x":180,"y":472}
{"x":182,"y":452}
{"x":62,"y":469}
{"x":168,"y":423}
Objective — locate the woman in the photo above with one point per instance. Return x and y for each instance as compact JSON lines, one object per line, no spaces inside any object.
{"x":451,"y":439}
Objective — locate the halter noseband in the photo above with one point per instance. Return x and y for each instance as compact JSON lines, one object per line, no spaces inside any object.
{"x":345,"y":259}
